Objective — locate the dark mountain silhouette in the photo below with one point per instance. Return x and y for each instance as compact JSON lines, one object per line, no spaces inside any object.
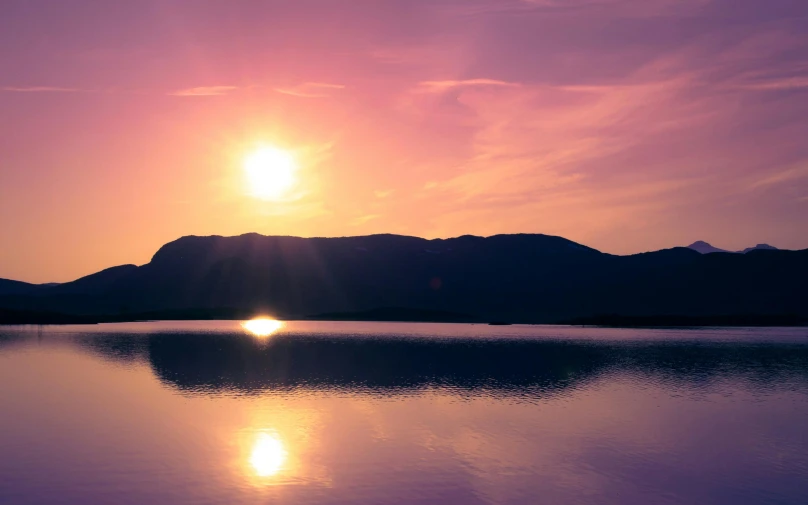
{"x":514,"y":278}
{"x":759,"y":246}
{"x":38,"y":317}
{"x":94,"y":284}
{"x":9,"y":287}
{"x":705,"y":248}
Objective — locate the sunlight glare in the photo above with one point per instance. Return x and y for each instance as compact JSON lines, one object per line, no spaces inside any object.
{"x":268,"y":455}
{"x":262,"y":326}
{"x":270,"y":172}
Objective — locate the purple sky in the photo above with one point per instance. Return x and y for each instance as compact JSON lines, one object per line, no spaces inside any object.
{"x":627,"y":125}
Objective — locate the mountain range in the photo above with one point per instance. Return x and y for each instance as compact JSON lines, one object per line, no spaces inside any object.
{"x":516,"y":278}
{"x":705,"y":248}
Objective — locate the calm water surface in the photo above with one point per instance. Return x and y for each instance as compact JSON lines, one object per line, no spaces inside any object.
{"x":387,"y":413}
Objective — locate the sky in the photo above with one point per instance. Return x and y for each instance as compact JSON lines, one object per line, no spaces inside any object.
{"x":625,"y":125}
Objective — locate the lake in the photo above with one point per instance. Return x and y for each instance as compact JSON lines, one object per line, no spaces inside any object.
{"x":401,"y":413}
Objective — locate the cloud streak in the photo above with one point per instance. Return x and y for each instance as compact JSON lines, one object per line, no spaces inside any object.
{"x":441,"y":86}
{"x":789,"y":83}
{"x":205,"y":91}
{"x":311,"y":89}
{"x":359,"y":221}
{"x":42,"y":89}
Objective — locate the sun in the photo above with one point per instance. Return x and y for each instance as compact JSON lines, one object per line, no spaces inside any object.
{"x":262,"y":326}
{"x":270,"y":172}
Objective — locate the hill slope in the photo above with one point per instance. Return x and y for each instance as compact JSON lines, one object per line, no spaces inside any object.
{"x":9,"y":287}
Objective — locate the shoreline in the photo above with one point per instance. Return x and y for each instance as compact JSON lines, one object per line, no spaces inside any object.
{"x":19,"y":318}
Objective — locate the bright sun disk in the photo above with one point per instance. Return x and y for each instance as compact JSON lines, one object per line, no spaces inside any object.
{"x":270,"y":172}
{"x":262,"y":326}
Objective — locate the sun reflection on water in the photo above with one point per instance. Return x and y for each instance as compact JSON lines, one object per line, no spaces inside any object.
{"x":262,"y":326}
{"x":268,"y":455}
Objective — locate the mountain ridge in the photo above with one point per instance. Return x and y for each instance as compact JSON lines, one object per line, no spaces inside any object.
{"x":519,"y":278}
{"x":707,"y":248}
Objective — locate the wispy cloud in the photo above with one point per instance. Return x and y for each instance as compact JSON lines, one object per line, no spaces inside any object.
{"x":636,"y":8}
{"x":42,"y":89}
{"x":781,"y":176}
{"x":440,"y":86}
{"x":205,"y":91}
{"x":789,"y":83}
{"x":364,"y":219}
{"x":311,"y":89}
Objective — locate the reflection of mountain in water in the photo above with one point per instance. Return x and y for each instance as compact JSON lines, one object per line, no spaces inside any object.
{"x":220,"y":363}
{"x":211,"y":363}
{"x":9,"y":339}
{"x":120,"y":348}
{"x":763,"y":364}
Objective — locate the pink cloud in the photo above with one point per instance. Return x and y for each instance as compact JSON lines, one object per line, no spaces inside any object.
{"x":205,"y":91}
{"x":628,"y":151}
{"x":41,"y":89}
{"x":787,"y":83}
{"x":440,"y":86}
{"x":311,"y":89}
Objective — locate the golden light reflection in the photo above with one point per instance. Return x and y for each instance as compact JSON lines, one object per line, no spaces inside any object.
{"x":281,"y":445}
{"x":270,"y":173}
{"x":262,"y":326}
{"x":268,"y":455}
